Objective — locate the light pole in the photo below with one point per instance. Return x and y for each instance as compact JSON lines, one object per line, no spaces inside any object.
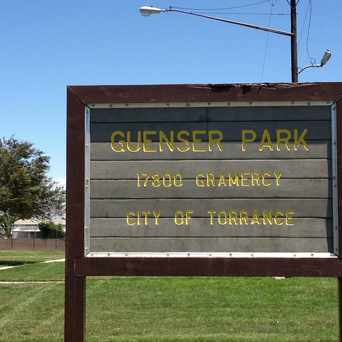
{"x":149,"y":10}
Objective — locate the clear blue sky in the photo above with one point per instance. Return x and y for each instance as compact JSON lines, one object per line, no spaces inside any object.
{"x":47,"y":45}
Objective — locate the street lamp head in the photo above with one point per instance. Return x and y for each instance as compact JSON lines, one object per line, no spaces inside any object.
{"x":148,"y":10}
{"x":326,"y":57}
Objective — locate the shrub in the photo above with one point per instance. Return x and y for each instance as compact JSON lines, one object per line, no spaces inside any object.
{"x":50,"y":230}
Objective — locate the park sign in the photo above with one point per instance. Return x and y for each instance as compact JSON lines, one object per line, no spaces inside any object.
{"x":202,"y":180}
{"x":207,"y":179}
{"x":210,"y":179}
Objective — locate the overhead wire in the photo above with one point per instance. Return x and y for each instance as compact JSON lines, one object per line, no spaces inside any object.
{"x":288,"y":1}
{"x":312,"y":59}
{"x":240,"y":13}
{"x":222,"y":8}
{"x":226,"y":10}
{"x":267,"y":41}
{"x":303,"y":28}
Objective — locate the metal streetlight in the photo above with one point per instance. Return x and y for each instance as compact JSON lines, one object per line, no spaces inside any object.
{"x":325,"y":58}
{"x":149,"y":10}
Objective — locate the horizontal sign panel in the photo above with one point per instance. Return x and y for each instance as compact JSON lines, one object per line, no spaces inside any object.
{"x":216,"y":226}
{"x":229,"y":150}
{"x":311,"y":168}
{"x":106,"y":208}
{"x":201,"y":187}
{"x":227,"y":113}
{"x":203,"y":131}
{"x":211,"y":245}
{"x":210,"y":180}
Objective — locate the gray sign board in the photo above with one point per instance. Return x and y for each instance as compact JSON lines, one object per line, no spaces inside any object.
{"x":229,"y":179}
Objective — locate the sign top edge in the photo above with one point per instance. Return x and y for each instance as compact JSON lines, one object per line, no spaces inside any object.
{"x":328,"y":91}
{"x":209,"y":104}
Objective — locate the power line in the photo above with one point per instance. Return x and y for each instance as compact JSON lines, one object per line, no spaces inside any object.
{"x":312,"y":60}
{"x":267,"y":41}
{"x":303,"y":28}
{"x":239,"y":13}
{"x":222,"y":8}
{"x":288,"y":1}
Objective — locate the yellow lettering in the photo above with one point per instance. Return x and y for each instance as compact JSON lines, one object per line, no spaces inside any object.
{"x":279,"y":218}
{"x":179,"y":218}
{"x":255,"y":217}
{"x":210,"y":179}
{"x":232,"y":217}
{"x":283,"y":137}
{"x":266,"y":141}
{"x":233,"y":180}
{"x":197,"y":139}
{"x":211,"y":215}
{"x":145,"y":215}
{"x":222,"y":181}
{"x":183,"y":136}
{"x":130,"y":145}
{"x":147,"y":141}
{"x":183,"y":217}
{"x":277,"y":175}
{"x":130,"y":218}
{"x":255,"y":179}
{"x":263,"y":180}
{"x":168,"y":141}
{"x":267,"y":217}
{"x":200,"y":180}
{"x":248,"y":135}
{"x":215,"y":141}
{"x":120,"y":144}
{"x":222,"y":218}
{"x":244,"y":179}
{"x":289,"y":215}
{"x":300,"y":140}
{"x":156,"y":215}
{"x":243,"y":217}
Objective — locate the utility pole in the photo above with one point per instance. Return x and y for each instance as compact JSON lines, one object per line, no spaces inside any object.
{"x":148,"y":10}
{"x":294,"y":56}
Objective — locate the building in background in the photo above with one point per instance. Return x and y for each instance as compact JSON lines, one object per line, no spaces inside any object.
{"x":29,"y":229}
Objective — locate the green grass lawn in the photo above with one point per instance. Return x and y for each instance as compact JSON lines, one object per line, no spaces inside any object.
{"x":34,"y":272}
{"x":13,"y":257}
{"x":170,"y":309}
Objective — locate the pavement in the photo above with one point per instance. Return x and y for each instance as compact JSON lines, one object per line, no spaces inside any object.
{"x":6,"y":267}
{"x":54,"y":260}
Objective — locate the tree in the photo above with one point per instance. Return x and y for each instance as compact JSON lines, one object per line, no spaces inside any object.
{"x":50,"y":230}
{"x":25,"y":189}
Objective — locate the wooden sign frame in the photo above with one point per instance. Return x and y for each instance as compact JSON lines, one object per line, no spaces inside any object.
{"x":78,"y":267}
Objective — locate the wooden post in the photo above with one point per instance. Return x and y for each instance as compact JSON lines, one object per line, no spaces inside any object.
{"x":339,"y":203}
{"x":74,"y":324}
{"x":339,"y":298}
